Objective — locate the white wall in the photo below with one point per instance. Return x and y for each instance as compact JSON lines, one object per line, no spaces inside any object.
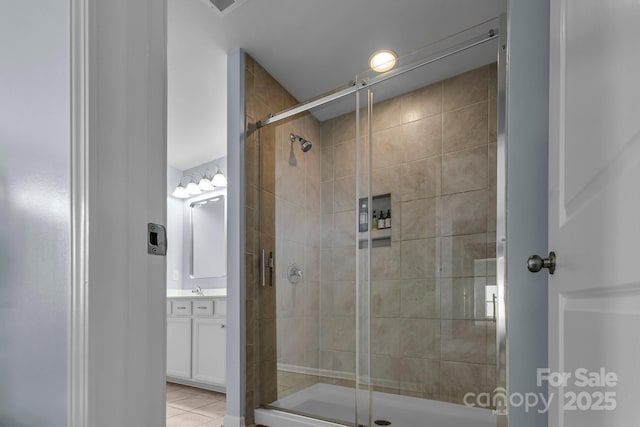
{"x":197,"y":74}
{"x":528,"y":109}
{"x":34,"y":212}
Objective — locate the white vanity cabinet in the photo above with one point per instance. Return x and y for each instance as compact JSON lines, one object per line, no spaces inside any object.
{"x":197,"y":342}
{"x":179,"y":347}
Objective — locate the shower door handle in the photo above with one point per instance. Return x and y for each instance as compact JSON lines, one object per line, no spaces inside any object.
{"x":264,"y":264}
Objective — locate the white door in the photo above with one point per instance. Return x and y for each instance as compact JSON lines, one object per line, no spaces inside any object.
{"x":594,"y":211}
{"x":209,"y":351}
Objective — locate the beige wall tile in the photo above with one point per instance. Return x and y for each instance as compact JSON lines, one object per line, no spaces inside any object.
{"x":420,"y":179}
{"x":463,"y":256}
{"x":385,"y":335}
{"x":411,"y":374}
{"x":344,"y":299}
{"x":462,"y":298}
{"x":313,"y":230}
{"x":344,"y":264}
{"x":419,"y":298}
{"x":418,"y":219}
{"x":312,"y":196}
{"x":422,"y":138}
{"x":464,"y":89}
{"x":268,"y":219}
{"x":463,"y":341}
{"x":344,"y":159}
{"x":386,"y":114}
{"x":327,"y":164}
{"x":465,"y":170}
{"x":341,"y":129}
{"x":387,"y":181}
{"x":344,"y":229}
{"x":327,"y":231}
{"x":326,"y":265}
{"x":388,"y":148}
{"x":344,"y":362}
{"x":312,"y":263}
{"x":327,"y":197}
{"x":385,"y":262}
{"x":385,"y":298}
{"x":385,"y":371}
{"x":344,"y":193}
{"x":465,"y":128}
{"x":463,"y":213}
{"x":418,"y":258}
{"x":420,"y":338}
{"x":424,"y":102}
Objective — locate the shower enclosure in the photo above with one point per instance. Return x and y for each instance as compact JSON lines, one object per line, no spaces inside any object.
{"x":374,"y":275}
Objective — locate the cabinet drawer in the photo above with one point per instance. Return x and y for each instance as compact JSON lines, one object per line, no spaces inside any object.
{"x":203,"y":308}
{"x":182,"y":308}
{"x":168,"y":308}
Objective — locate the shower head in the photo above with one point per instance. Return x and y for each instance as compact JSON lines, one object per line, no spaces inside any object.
{"x":304,"y":144}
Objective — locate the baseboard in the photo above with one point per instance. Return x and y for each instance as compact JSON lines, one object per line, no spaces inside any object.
{"x":233,"y":421}
{"x":212,"y":387}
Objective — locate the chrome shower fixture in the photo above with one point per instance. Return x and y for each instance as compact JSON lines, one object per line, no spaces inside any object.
{"x":304,"y":144}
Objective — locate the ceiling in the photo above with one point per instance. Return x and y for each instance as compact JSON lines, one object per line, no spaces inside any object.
{"x":310,"y":47}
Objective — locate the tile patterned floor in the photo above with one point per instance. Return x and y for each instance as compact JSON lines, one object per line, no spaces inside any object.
{"x":191,"y":407}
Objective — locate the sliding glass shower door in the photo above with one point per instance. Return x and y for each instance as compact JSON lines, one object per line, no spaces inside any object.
{"x":373,"y":223}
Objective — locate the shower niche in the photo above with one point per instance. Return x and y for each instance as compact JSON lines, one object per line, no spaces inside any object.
{"x":378,"y":221}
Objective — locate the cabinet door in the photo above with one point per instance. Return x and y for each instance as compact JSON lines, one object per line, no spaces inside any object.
{"x":179,"y":347}
{"x":209,"y":351}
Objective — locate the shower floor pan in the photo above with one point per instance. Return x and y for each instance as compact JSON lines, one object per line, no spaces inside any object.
{"x":335,"y":402}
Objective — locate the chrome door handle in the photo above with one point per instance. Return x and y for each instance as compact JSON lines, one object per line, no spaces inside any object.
{"x":536,"y":263}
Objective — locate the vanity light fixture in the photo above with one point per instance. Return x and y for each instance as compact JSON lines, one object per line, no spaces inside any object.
{"x":383,"y":60}
{"x":198,"y":186}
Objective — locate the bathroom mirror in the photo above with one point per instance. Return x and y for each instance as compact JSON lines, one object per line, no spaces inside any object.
{"x":208,"y":234}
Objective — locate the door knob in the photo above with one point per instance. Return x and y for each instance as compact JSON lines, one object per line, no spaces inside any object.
{"x":536,"y":263}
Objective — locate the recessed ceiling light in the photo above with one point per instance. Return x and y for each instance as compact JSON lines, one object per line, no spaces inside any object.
{"x":383,"y":60}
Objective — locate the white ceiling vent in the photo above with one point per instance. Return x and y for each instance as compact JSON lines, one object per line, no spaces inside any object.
{"x":224,"y":7}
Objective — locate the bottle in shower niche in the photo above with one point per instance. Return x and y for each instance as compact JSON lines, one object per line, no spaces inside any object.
{"x":387,"y":219}
{"x":364,"y":217}
{"x":374,"y":221}
{"x":381,"y":221}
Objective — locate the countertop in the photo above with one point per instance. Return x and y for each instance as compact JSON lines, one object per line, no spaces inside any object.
{"x":186,"y":293}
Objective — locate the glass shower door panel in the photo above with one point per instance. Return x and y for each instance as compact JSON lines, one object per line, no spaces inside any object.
{"x":308,"y":220}
{"x":433,"y":190}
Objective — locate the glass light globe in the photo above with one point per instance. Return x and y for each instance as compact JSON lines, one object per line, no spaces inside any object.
{"x":180,"y":192}
{"x":193,"y":189}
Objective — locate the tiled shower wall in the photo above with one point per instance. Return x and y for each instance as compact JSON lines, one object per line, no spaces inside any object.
{"x":434,"y":151}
